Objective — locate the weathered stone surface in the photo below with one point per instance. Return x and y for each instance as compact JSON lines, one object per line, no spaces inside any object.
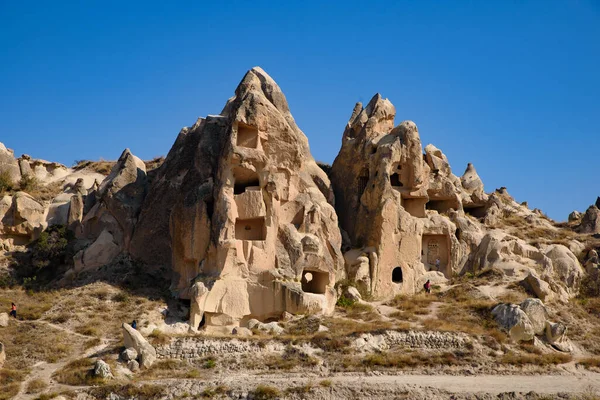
{"x":101,"y":252}
{"x":590,"y":222}
{"x":129,"y":354}
{"x":4,"y":320}
{"x":102,"y":370}
{"x":537,"y":313}
{"x":352,"y":293}
{"x":575,"y":216}
{"x":514,"y":321}
{"x":539,"y":287}
{"x":23,"y":216}
{"x":134,"y":339}
{"x":565,"y":266}
{"x":241,"y":331}
{"x":133,"y":365}
{"x":9,"y":164}
{"x":240,"y":206}
{"x":556,"y":335}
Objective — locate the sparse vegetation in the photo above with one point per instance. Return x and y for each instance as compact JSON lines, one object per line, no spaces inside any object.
{"x":157,"y":337}
{"x":140,"y":392}
{"x":6,"y":182}
{"x":36,"y":386}
{"x":536,"y":359}
{"x":77,"y":373}
{"x":265,"y":392}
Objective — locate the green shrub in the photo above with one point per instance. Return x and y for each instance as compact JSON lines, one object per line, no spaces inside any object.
{"x":6,"y":183}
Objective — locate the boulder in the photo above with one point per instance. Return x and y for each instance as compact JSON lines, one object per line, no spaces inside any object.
{"x":537,"y":313}
{"x":102,"y":370}
{"x":515,"y":321}
{"x":556,"y":335}
{"x":471,"y":181}
{"x":575,"y":216}
{"x":539,"y":287}
{"x":566,"y":266}
{"x":129,"y":354}
{"x":133,"y":366}
{"x":590,"y":222}
{"x":352,"y":293}
{"x":4,"y":319}
{"x":134,"y":339}
{"x":101,"y":252}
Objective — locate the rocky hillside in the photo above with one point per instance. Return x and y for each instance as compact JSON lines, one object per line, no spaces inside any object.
{"x":237,"y":252}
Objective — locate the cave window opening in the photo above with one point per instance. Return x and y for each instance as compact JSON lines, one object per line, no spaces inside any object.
{"x":363,"y":181}
{"x":245,"y":179}
{"x":397,"y":275}
{"x":395,"y":180}
{"x":247,"y":136}
{"x":314,"y":281}
{"x":250,"y":229}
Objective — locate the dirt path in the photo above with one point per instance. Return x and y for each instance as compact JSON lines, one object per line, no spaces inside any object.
{"x":44,"y":371}
{"x":581,"y":382}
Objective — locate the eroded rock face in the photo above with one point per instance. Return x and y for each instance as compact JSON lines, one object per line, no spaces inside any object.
{"x":22,"y":218}
{"x":515,"y":321}
{"x":395,"y":203}
{"x":590,"y":222}
{"x":243,"y":212}
{"x":109,"y":224}
{"x":9,"y":164}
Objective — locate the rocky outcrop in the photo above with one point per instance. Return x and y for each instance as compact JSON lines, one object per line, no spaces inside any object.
{"x":146,"y":354}
{"x":590,"y":222}
{"x":9,"y":164}
{"x":22,"y":219}
{"x":109,"y":224}
{"x":537,"y":313}
{"x":514,"y":321}
{"x":240,"y":211}
{"x":102,"y":370}
{"x":390,"y":201}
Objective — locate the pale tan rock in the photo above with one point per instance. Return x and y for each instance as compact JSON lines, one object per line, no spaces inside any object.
{"x":514,"y":321}
{"x":146,"y":353}
{"x":590,"y":222}
{"x":575,"y":216}
{"x":537,"y":313}
{"x":9,"y":164}
{"x":101,"y":252}
{"x":24,"y":217}
{"x":539,"y":287}
{"x":240,"y":207}
{"x":3,"y":320}
{"x":471,"y":181}
{"x":565,"y":266}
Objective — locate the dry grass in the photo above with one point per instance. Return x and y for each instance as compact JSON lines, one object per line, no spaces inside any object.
{"x":28,"y":343}
{"x":265,"y":392}
{"x":158,"y":338}
{"x":78,"y":373}
{"x":519,"y":227}
{"x":10,"y":382}
{"x":404,"y":359}
{"x":169,"y":369}
{"x":102,"y":167}
{"x":36,"y":386}
{"x":590,"y":362}
{"x":291,"y":358}
{"x":141,"y":392}
{"x":536,"y":359}
{"x":411,"y":307}
{"x":30,"y":305}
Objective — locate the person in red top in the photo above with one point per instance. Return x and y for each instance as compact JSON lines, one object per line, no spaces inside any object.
{"x":13,"y":310}
{"x":427,"y":286}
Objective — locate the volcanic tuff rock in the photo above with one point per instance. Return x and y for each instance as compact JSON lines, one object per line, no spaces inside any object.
{"x":392,"y":200}
{"x":244,"y":218}
{"x":242,"y":210}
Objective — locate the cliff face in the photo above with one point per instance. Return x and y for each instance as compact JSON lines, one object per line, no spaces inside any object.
{"x":244,"y":219}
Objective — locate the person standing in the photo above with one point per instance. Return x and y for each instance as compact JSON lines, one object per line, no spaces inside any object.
{"x":13,"y":310}
{"x":427,"y":286}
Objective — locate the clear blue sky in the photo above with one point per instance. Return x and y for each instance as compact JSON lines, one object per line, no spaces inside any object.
{"x":512,"y":86}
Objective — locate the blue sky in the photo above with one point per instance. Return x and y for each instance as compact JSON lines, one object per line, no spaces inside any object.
{"x":512,"y":86}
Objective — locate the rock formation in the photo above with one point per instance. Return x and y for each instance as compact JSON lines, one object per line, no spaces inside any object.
{"x":394,"y":202}
{"x":239,"y":210}
{"x":145,"y":353}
